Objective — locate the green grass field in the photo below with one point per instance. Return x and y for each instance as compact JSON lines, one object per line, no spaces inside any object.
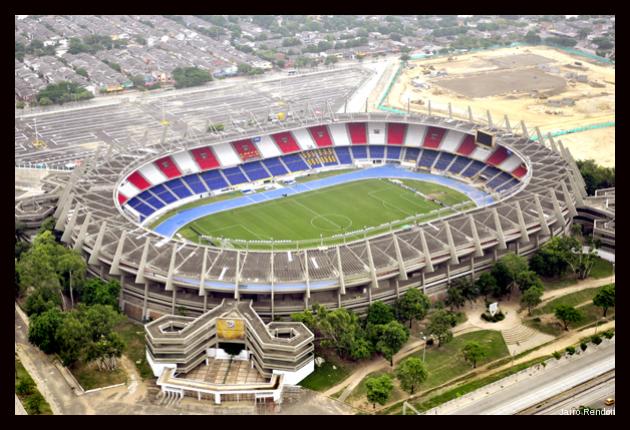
{"x":327,"y":212}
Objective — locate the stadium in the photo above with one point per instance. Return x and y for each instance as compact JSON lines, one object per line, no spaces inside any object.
{"x":339,"y":209}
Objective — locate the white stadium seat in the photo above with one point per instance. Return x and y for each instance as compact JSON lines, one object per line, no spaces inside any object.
{"x":339,"y":134}
{"x":268,"y":147}
{"x":304,"y":139}
{"x":415,"y":135}
{"x":452,"y":140}
{"x":186,"y":163}
{"x":226,"y":154}
{"x":153,"y":174}
{"x":376,"y":133}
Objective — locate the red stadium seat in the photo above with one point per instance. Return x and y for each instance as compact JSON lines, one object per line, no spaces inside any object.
{"x":205,"y":158}
{"x":121,"y":198}
{"x":498,"y":156}
{"x":358,"y":133}
{"x":433,"y":137}
{"x":520,"y":171}
{"x":467,"y":146}
{"x":285,"y":142}
{"x":246,"y":149}
{"x":168,"y":167}
{"x":321,"y":136}
{"x":139,"y":181}
{"x":396,"y":133}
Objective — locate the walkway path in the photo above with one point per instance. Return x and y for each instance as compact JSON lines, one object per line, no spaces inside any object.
{"x":578,"y":286}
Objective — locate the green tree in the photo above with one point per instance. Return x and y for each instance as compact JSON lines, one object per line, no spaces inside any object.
{"x":81,"y":71}
{"x":42,"y":330}
{"x":99,"y":320}
{"x":392,"y":337}
{"x":380,"y":313}
{"x":72,"y":268}
{"x":44,"y":101}
{"x":596,"y":176}
{"x":105,"y":351}
{"x":605,"y":298}
{"x":331,"y":59}
{"x":532,"y":298}
{"x":528,"y":279}
{"x":42,"y":299}
{"x":96,"y":291}
{"x":473,"y":352}
{"x":506,"y":270}
{"x":550,"y":259}
{"x":454,"y":297}
{"x":25,"y":387}
{"x":567,"y":314}
{"x":440,"y":326}
{"x":379,"y":389}
{"x":413,"y":305}
{"x":486,"y":284}
{"x":190,"y":77}
{"x":34,"y":403}
{"x":20,"y":104}
{"x":71,"y":336}
{"x":411,"y":373}
{"x":532,"y":37}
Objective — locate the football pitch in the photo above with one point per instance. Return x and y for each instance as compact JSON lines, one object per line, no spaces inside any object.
{"x":328,"y":212}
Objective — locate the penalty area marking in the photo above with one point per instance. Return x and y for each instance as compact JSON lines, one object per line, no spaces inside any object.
{"x":327,"y":217}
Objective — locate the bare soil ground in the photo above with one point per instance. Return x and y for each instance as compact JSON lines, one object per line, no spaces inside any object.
{"x":592,"y":102}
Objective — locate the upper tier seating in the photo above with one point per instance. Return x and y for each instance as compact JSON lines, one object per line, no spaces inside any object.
{"x":393,"y":152}
{"x":205,"y":158}
{"x":294,"y":162}
{"x":339,"y":134}
{"x":507,"y":185}
{"x":234,"y":175}
{"x":377,"y":152}
{"x":343,"y":155}
{"x":520,"y":171}
{"x":195,"y":184}
{"x":246,"y":149}
{"x":275,"y":167}
{"x":139,"y":181}
{"x":359,"y":152}
{"x":396,"y":133}
{"x":137,"y":204}
{"x":358,"y":133}
{"x":321,"y":136}
{"x":433,"y":138}
{"x":176,"y":186}
{"x":498,"y":156}
{"x":427,"y":158}
{"x":467,"y":146}
{"x":214,"y":180}
{"x":489,"y":172}
{"x":151,"y":199}
{"x":499,"y":180}
{"x":255,"y":171}
{"x":285,"y":142}
{"x":411,"y":154}
{"x":312,"y":159}
{"x":444,"y":161}
{"x":168,"y":167}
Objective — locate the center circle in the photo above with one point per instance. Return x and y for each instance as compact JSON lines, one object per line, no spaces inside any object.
{"x":331,"y":222}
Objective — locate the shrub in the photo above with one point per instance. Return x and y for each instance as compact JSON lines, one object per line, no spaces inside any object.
{"x":557,"y":355}
{"x":596,"y":339}
{"x":537,"y":319}
{"x":499,"y":316}
{"x":24,"y":387}
{"x":570,"y":350}
{"x":583,"y":346}
{"x":608,"y":334}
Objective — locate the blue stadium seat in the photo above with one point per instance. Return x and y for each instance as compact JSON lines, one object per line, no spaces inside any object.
{"x":177,"y":187}
{"x":234,"y":175}
{"x":459,"y":164}
{"x":294,"y":162}
{"x":255,"y":170}
{"x":412,"y":154}
{"x":164,"y":194}
{"x":359,"y":152}
{"x":194,"y":182}
{"x":377,"y":152}
{"x":343,"y":155}
{"x":393,"y":152}
{"x":214,"y":180}
{"x":444,"y":161}
{"x":140,"y":207}
{"x":427,"y":158}
{"x":473,"y":168}
{"x":275,"y":167}
{"x":499,"y":180}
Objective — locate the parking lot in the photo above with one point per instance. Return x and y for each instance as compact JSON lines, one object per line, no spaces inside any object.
{"x":71,"y":134}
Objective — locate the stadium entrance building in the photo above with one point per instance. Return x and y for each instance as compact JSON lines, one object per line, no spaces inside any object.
{"x":189,"y":356}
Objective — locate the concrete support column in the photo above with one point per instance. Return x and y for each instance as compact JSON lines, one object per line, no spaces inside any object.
{"x":96,"y":249}
{"x":202,"y":275}
{"x":524,"y":128}
{"x":145,"y":315}
{"x":397,"y":288}
{"x":374,"y":283}
{"x":67,"y":232}
{"x":499,"y":229}
{"x":568,"y":200}
{"x":401,"y":265}
{"x":174,"y":300}
{"x":121,"y":302}
{"x":425,"y":251}
{"x":475,"y":235}
{"x":114,"y":268}
{"x":521,"y":223}
{"x":541,"y":216}
{"x":171,"y":269}
{"x":308,"y":278}
{"x":423,"y":280}
{"x":556,"y":207}
{"x":63,"y":213}
{"x":472,"y":267}
{"x":451,"y":243}
{"x":342,"y":283}
{"x":143,"y":262}
{"x":81,"y":238}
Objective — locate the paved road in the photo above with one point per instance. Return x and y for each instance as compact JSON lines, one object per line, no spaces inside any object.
{"x":19,"y":409}
{"x":593,"y":397}
{"x":527,"y":392}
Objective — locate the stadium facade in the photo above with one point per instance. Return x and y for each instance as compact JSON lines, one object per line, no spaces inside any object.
{"x":103,"y":213}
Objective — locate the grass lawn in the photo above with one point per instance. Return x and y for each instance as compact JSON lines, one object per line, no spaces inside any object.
{"x":446,"y":362}
{"x":360,"y":391}
{"x":321,"y":175}
{"x":31,"y":399}
{"x":438,"y":191}
{"x":89,"y":376}
{"x":571,"y":299}
{"x":325,"y":376}
{"x":423,"y":405}
{"x":325,"y":212}
{"x":135,"y":346}
{"x":601,"y":269}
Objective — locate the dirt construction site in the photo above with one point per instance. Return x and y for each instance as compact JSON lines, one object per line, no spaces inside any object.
{"x":541,"y":86}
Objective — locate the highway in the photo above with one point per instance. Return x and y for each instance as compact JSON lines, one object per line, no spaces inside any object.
{"x":592,"y":396}
{"x":532,"y":390}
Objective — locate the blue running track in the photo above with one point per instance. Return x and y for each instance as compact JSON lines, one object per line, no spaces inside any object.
{"x":170,"y":226}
